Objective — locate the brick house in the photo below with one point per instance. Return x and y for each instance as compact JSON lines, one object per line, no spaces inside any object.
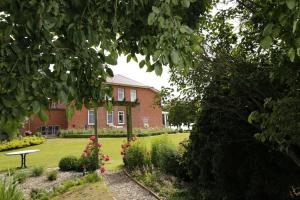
{"x":145,"y":114}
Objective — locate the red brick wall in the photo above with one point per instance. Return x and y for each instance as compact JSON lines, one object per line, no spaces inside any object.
{"x":56,"y":117}
{"x":145,"y":110}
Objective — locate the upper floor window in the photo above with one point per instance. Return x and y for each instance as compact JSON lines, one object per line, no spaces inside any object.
{"x":109,"y":118}
{"x":132,"y":95}
{"x":121,"y":94}
{"x":121,"y":117}
{"x":91,"y":117}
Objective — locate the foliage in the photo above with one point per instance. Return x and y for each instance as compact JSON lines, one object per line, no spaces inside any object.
{"x":225,"y":159}
{"x":89,"y":159}
{"x":163,"y":155}
{"x":166,"y":186}
{"x":20,"y":143}
{"x":37,"y":171}
{"x":69,"y":163}
{"x":9,"y":190}
{"x":20,"y":176}
{"x":52,"y":175}
{"x":136,"y":156}
{"x":60,"y":50}
{"x":116,"y":131}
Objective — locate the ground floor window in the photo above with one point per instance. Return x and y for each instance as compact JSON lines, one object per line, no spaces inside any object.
{"x":91,"y":117}
{"x":109,"y":118}
{"x":121,"y":117}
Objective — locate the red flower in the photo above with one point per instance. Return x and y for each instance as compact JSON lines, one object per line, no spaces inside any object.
{"x":99,"y":145}
{"x":107,"y":158}
{"x":102,"y":170}
{"x":93,"y":138}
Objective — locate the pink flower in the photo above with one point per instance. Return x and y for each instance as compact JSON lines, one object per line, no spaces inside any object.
{"x":99,"y":145}
{"x":107,"y":158}
{"x":93,"y":138}
{"x":102,"y":170}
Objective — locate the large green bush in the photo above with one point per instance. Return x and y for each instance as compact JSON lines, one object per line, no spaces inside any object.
{"x":69,"y":163}
{"x":9,"y":190}
{"x":163,"y":155}
{"x":226,"y":161}
{"x":20,"y":143}
{"x":137,"y":157}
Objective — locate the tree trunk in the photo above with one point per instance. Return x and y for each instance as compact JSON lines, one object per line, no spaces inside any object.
{"x":129,"y":122}
{"x":96,"y":133}
{"x":294,"y":157}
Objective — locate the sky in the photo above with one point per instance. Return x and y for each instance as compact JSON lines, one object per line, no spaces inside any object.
{"x":132,"y":70}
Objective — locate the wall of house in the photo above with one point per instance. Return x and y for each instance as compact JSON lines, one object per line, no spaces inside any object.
{"x":142,"y":112}
{"x":55,"y":117}
{"x":145,"y":111}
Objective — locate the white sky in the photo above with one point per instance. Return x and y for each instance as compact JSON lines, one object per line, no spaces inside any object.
{"x":132,"y":70}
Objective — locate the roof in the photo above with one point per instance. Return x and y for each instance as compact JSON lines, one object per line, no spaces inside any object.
{"x":118,"y":79}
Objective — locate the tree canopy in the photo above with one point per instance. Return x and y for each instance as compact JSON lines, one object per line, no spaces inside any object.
{"x":61,"y":50}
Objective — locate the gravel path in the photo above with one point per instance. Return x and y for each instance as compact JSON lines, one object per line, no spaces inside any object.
{"x":123,"y":188}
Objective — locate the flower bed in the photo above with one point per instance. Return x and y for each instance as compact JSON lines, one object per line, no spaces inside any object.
{"x":20,"y":143}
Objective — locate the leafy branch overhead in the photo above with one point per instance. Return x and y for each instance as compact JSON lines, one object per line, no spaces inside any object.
{"x":61,"y":50}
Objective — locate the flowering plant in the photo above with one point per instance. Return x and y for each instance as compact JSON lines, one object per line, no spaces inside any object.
{"x":89,"y":158}
{"x":126,"y":145}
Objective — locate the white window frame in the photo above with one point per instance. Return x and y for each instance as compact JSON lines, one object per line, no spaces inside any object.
{"x":112,"y":117}
{"x":123,"y":117}
{"x":133,"y":92}
{"x":121,"y":91}
{"x":89,"y":117}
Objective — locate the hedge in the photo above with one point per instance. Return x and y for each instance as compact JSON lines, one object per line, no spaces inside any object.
{"x":22,"y":142}
{"x":114,"y":135}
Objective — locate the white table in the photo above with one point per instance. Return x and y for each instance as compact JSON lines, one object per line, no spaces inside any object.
{"x":23,"y":155}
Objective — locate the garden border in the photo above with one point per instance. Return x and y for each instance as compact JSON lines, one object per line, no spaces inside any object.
{"x":141,"y":185}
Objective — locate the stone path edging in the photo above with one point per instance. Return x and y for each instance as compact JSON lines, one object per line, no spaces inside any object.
{"x":141,"y":185}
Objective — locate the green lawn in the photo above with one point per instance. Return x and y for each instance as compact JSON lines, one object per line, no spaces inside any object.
{"x":54,"y":149}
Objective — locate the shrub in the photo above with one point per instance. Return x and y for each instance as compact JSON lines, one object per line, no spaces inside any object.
{"x":163,"y":155}
{"x":20,"y":177}
{"x":52,"y":176}
{"x":88,"y":160}
{"x":20,"y":143}
{"x":9,"y":190}
{"x":37,"y":171}
{"x":69,"y":163}
{"x":136,"y":157}
{"x":38,"y":194}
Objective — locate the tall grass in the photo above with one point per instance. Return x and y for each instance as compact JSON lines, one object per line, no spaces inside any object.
{"x":9,"y":190}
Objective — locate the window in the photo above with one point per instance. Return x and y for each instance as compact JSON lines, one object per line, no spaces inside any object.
{"x":91,"y":117}
{"x":132,"y":95}
{"x":121,"y":117}
{"x":121,"y":94}
{"x":109,"y":118}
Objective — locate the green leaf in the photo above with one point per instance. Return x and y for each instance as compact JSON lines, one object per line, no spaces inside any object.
{"x":295,"y":26}
{"x":128,"y":58}
{"x":36,"y":107}
{"x":291,"y":54}
{"x":43,"y":116}
{"x":252,"y":117}
{"x":109,"y":71}
{"x":268,"y":29}
{"x":291,"y":4}
{"x":158,"y":69}
{"x":185,"y":29}
{"x":175,"y":57}
{"x":185,"y":3}
{"x":266,"y":42}
{"x":150,"y":68}
{"x":298,"y":52}
{"x":151,"y":18}
{"x":142,"y":63}
{"x":70,"y":112}
{"x":155,"y":9}
{"x":112,"y":59}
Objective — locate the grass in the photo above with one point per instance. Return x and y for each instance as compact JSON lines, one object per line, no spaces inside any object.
{"x":54,"y":149}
